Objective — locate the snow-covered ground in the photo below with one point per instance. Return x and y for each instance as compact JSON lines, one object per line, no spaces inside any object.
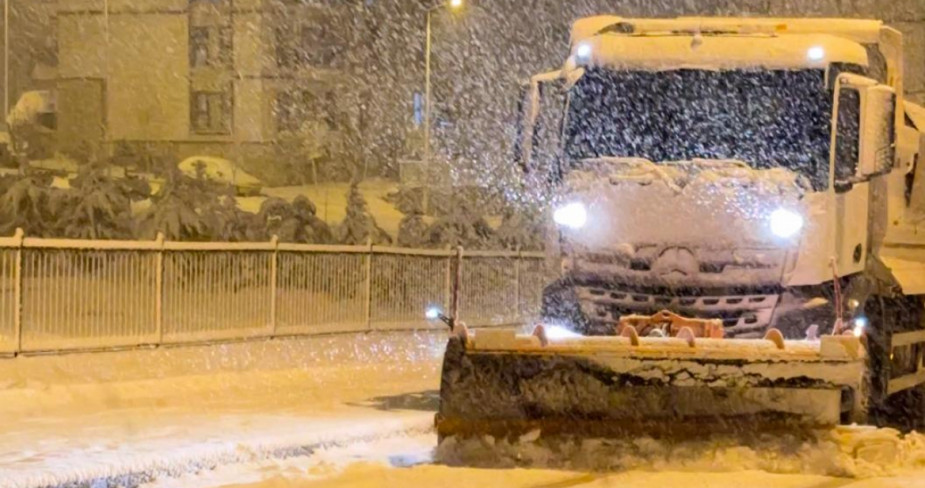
{"x":349,"y":411}
{"x":154,"y":413}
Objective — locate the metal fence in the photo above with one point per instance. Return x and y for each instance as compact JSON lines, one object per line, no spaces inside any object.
{"x":74,"y":294}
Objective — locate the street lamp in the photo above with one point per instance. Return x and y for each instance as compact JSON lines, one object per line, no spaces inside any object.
{"x":454,"y":5}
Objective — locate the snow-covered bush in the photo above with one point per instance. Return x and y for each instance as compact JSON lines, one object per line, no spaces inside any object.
{"x":180,"y":209}
{"x":295,"y":222}
{"x":98,"y":206}
{"x":30,"y":203}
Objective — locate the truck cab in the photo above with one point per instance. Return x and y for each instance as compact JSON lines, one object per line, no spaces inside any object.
{"x":757,"y":171}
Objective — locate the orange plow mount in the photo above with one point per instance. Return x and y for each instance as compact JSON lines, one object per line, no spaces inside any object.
{"x":502,"y":384}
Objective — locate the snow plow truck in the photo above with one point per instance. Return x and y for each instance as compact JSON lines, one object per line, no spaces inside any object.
{"x":736,"y":237}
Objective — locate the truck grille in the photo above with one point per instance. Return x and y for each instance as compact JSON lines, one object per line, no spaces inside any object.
{"x":742,"y":315}
{"x":678,"y":266}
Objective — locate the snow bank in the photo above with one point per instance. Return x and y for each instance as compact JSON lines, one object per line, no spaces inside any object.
{"x":857,"y":452}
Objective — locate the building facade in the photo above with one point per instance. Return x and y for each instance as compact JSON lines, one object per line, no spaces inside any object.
{"x":237,"y":78}
{"x":228,"y":78}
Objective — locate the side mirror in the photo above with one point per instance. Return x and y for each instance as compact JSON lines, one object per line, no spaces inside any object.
{"x":877,"y":151}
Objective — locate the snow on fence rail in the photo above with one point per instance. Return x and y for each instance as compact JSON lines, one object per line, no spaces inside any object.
{"x":58,"y":294}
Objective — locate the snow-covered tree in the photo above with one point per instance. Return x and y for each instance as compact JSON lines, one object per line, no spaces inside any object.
{"x":412,"y":231}
{"x":359,"y":226}
{"x":460,"y":226}
{"x":521,"y":228}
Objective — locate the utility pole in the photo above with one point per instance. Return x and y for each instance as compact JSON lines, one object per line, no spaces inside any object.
{"x":427,"y":47}
{"x":428,"y":43}
{"x":6,"y":60}
{"x":108,"y":81}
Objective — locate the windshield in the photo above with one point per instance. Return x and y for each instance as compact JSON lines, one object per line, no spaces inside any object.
{"x":764,"y":118}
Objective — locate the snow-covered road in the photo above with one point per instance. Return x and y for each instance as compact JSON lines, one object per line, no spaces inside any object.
{"x":154,"y":413}
{"x":339,"y":411}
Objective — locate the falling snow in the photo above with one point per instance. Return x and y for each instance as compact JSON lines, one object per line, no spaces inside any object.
{"x":214,"y":186}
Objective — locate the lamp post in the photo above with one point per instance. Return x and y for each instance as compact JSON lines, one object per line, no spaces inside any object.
{"x":6,"y":60}
{"x":453,"y":4}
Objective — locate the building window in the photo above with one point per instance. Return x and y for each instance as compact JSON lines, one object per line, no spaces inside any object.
{"x":285,"y":50}
{"x":211,"y":46}
{"x":292,"y":108}
{"x":211,"y":112}
{"x":296,"y":107}
{"x":307,"y":46}
{"x":319,"y":45}
{"x":199,"y":47}
{"x":225,"y":55}
{"x":418,"y":116}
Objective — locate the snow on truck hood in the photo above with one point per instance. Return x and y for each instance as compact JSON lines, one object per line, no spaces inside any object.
{"x":692,"y":175}
{"x":695,"y":203}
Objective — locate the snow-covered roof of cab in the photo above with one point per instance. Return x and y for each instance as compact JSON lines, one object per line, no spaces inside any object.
{"x":720,"y":43}
{"x":677,"y":52}
{"x":857,"y":30}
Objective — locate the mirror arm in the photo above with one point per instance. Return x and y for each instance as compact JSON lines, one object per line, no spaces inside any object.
{"x":846,"y":184}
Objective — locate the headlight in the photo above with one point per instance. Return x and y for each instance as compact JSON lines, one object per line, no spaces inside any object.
{"x":573,"y":215}
{"x":786,"y":223}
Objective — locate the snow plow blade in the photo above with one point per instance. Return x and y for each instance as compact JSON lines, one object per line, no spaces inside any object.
{"x":504,"y":385}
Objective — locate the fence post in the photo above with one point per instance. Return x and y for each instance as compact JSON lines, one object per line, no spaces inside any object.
{"x":17,"y":291}
{"x":517,"y":264}
{"x":448,"y":285}
{"x":274,"y":275}
{"x":457,"y":285}
{"x":159,"y":287}
{"x":369,"y":284}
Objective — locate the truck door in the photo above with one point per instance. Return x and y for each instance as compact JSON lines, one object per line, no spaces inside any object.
{"x":851,"y":194}
{"x":864,"y":149}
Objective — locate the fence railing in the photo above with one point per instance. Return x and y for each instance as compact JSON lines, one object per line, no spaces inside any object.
{"x":60,"y":294}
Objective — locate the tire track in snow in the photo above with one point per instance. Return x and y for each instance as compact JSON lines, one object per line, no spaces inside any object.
{"x":569,"y":483}
{"x":240,"y":453}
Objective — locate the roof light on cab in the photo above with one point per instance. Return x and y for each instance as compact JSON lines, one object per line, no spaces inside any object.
{"x":815,"y":53}
{"x":583,"y":53}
